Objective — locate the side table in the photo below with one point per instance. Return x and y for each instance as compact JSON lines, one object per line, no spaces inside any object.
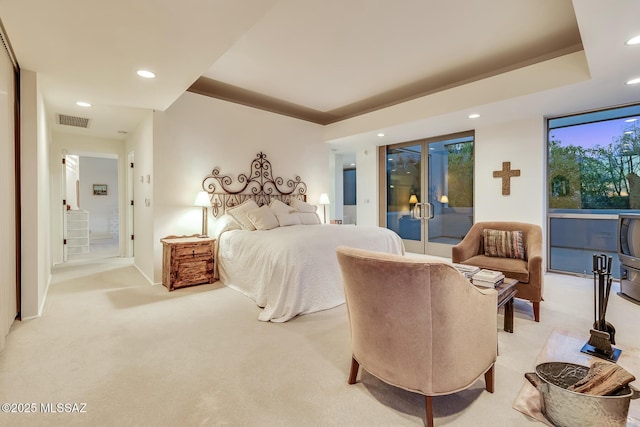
{"x":187,"y":261}
{"x":506,"y":293}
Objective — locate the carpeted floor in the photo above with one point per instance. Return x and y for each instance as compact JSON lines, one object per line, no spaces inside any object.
{"x":128,"y":353}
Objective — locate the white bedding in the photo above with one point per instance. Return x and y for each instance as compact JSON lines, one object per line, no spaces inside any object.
{"x":294,"y":270}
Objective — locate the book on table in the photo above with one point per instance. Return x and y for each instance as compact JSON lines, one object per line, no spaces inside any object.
{"x":467,"y":270}
{"x":487,"y":278}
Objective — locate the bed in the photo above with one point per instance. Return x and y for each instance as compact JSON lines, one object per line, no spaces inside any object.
{"x":288,"y":265}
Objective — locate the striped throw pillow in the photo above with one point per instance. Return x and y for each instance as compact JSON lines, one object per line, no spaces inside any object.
{"x":503,"y":244}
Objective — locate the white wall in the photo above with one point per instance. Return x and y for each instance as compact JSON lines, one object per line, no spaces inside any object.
{"x":335,"y":209}
{"x":34,"y":195}
{"x":522,"y":143}
{"x":65,"y":143}
{"x":140,"y":142}
{"x":367,"y":186}
{"x":198,"y":133}
{"x":103,"y":209}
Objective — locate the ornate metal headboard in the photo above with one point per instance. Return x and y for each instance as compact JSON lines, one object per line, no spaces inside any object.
{"x":259,"y":185}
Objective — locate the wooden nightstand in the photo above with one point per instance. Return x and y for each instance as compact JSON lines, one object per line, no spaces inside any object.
{"x":187,"y":261}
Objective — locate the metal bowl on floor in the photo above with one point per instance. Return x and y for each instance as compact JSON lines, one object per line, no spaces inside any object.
{"x":568,"y":408}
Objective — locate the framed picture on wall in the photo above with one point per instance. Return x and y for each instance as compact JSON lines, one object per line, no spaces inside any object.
{"x":99,"y":189}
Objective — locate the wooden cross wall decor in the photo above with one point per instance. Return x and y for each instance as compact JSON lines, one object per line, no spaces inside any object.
{"x":506,"y":173}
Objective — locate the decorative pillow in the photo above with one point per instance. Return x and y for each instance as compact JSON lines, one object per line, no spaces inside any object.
{"x":239,"y":213}
{"x":503,"y":244}
{"x":279,"y":207}
{"x":308,"y":218}
{"x":302,"y":206}
{"x":263,"y":218}
{"x":225,"y":223}
{"x":288,"y":219}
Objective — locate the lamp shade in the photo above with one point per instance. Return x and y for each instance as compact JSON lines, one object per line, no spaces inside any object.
{"x":202,"y":200}
{"x":413,"y":199}
{"x":444,"y":199}
{"x":324,"y":199}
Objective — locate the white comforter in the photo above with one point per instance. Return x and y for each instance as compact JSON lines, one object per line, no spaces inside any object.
{"x":294,"y":270}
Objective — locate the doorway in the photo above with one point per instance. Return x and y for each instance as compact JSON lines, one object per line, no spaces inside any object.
{"x":91,"y":214}
{"x":429,"y":186}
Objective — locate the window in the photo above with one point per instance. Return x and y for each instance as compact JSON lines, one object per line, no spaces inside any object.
{"x":593,"y":168}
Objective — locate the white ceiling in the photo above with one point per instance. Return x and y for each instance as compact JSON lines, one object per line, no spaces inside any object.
{"x":336,"y":57}
{"x":325,"y":55}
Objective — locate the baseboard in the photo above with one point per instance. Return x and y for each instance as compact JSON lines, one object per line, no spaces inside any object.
{"x":144,"y":275}
{"x":46,"y":294}
{"x":41,"y":306}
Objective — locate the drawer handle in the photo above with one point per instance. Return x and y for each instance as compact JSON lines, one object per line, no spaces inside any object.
{"x":193,"y":253}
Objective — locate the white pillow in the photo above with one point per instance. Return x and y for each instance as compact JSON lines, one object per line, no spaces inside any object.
{"x":279,"y":207}
{"x":239,"y":213}
{"x":225,"y":223}
{"x":263,"y":218}
{"x":302,"y":206}
{"x":308,"y":218}
{"x":288,"y":219}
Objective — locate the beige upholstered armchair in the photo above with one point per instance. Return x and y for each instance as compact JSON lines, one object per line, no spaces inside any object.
{"x":527,"y":271}
{"x":418,"y":325}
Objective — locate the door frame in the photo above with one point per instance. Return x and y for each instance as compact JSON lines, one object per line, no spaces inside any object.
{"x":423,"y":246}
{"x":129,"y":236}
{"x":118,"y":157}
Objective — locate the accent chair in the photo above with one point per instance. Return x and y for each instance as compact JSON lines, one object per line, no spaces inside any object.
{"x":418,"y":324}
{"x":528,"y":271}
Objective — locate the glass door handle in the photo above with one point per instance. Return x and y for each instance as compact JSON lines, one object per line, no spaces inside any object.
{"x":430,"y":210}
{"x":419,"y":210}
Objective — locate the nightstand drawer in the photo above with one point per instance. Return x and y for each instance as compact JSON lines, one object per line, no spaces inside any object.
{"x":194,"y":272}
{"x":192,"y":250}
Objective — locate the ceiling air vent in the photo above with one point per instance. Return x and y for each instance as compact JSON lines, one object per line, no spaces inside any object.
{"x":79,"y":122}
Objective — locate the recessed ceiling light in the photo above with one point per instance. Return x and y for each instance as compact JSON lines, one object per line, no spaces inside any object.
{"x":353,"y":164}
{"x":82,"y":104}
{"x":474,"y":115}
{"x":634,"y":81}
{"x":634,"y":40}
{"x":146,"y":74}
{"x":381,"y":134}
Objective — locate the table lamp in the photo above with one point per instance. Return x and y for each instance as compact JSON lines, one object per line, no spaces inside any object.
{"x":412,"y":201}
{"x":203,"y":200}
{"x":324,"y":201}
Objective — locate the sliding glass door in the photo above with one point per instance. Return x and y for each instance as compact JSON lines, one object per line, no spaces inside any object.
{"x":429,"y":192}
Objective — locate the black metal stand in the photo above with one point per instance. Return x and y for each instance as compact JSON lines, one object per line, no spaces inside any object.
{"x":597,"y":352}
{"x":603,"y":333}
